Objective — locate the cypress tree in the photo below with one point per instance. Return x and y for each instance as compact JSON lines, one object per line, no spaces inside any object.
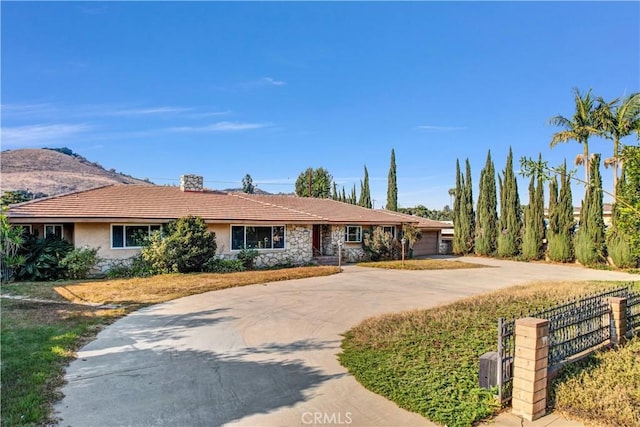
{"x":353,"y":199}
{"x":486,"y":230}
{"x":532,"y":244}
{"x":566,"y":221}
{"x":334,"y":194}
{"x":590,"y":240}
{"x":553,"y":206}
{"x":343,"y":199}
{"x":509,"y":238}
{"x":458,"y":245}
{"x":467,"y":216}
{"x":560,"y":230}
{"x":365,"y":192}
{"x":392,"y":185}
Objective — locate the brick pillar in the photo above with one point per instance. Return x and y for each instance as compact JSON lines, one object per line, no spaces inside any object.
{"x":619,"y":318}
{"x":530,"y":368}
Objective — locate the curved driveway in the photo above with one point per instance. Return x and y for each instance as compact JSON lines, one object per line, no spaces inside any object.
{"x":265,"y":354}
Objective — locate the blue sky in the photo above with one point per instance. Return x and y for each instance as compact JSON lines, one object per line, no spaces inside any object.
{"x":159,"y":89}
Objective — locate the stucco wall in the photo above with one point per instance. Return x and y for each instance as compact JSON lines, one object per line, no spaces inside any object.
{"x":298,"y":249}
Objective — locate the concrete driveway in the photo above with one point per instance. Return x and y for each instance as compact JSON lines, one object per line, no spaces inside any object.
{"x":265,"y":354}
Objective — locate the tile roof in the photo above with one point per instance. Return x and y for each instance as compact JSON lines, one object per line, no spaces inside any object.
{"x":158,"y":203}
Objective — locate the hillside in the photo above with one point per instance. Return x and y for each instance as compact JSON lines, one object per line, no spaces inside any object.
{"x":49,"y":172}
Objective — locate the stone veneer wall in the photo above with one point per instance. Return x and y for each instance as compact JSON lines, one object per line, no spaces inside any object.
{"x":298,"y":250}
{"x":351,"y":252}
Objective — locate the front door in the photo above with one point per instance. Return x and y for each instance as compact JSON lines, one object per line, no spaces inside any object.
{"x":316,"y":240}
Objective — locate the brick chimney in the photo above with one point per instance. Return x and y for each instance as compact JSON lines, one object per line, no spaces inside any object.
{"x":191,"y":183}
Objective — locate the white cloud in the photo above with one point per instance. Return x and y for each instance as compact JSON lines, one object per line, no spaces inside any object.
{"x":147,"y":111}
{"x":27,"y":110}
{"x":260,"y":83}
{"x":40,"y":134}
{"x":273,"y":82}
{"x":221,"y":127}
{"x":443,"y":128}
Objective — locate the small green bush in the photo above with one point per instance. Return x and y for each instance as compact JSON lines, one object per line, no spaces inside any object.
{"x":127,"y":268}
{"x":43,"y":259}
{"x":620,"y":252}
{"x":218,"y":265}
{"x":248,"y":258}
{"x":79,"y":262}
{"x":185,"y":246}
{"x":559,"y":248}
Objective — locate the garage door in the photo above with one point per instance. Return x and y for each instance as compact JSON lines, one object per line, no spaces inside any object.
{"x":427,"y":245}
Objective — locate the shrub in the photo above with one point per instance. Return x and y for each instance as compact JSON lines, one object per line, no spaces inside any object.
{"x":184,"y":248}
{"x":79,"y":262}
{"x":380,"y":245}
{"x":218,"y":265}
{"x":247,"y":257}
{"x":11,"y":241}
{"x":43,"y":259}
{"x":559,"y":248}
{"x":620,"y":251}
{"x":133,"y":267}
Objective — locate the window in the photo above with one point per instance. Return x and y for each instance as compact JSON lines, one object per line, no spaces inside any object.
{"x":390,"y":229}
{"x":26,"y":229}
{"x":53,"y":230}
{"x":131,"y":236}
{"x":252,"y":237}
{"x":353,"y":233}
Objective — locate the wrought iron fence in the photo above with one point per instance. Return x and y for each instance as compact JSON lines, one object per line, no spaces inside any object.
{"x":574,"y":327}
{"x":633,"y":313}
{"x":506,"y":352}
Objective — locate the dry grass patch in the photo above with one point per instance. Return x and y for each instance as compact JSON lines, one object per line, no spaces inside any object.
{"x":605,"y":389}
{"x":421,"y":264}
{"x":426,"y":361}
{"x":156,"y":289}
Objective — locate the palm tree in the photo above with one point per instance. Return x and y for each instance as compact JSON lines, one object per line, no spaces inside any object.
{"x":616,"y":120}
{"x":579,"y":128}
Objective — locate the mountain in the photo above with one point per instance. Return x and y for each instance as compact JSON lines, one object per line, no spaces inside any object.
{"x":239,"y":190}
{"x":46,"y":172}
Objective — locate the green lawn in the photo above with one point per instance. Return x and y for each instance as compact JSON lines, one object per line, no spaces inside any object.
{"x":426,"y":361}
{"x":37,"y":341}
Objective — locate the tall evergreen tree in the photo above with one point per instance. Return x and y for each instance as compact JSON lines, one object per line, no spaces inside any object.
{"x":458,"y":240}
{"x":532,"y":243}
{"x":247,"y":184}
{"x":392,"y":185}
{"x":566,"y":221}
{"x":344,"y":196}
{"x":486,"y":230}
{"x":466,"y":213}
{"x":590,"y":240}
{"x":559,"y":248}
{"x":314,"y":183}
{"x":509,"y":237}
{"x":334,"y":194}
{"x":365,"y":191}
{"x":353,"y":199}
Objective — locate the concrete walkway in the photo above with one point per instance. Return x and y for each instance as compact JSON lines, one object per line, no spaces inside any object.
{"x":265,"y":355}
